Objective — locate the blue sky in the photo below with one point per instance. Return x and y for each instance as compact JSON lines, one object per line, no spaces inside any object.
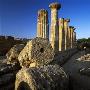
{"x":19,"y":17}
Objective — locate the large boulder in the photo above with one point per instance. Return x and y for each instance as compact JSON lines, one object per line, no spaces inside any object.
{"x":50,"y":77}
{"x":37,"y":52}
{"x":12,"y":55}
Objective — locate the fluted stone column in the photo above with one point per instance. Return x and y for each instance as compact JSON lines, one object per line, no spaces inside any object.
{"x":66,"y":21}
{"x":42,"y":24}
{"x":61,"y":35}
{"x":69,"y":37}
{"x":72,"y":40}
{"x":69,"y":30}
{"x":54,"y":37}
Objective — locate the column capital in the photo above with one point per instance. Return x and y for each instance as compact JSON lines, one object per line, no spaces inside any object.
{"x":67,"y":20}
{"x":72,"y":27}
{"x":55,"y":6}
{"x":61,"y":18}
{"x":42,"y":11}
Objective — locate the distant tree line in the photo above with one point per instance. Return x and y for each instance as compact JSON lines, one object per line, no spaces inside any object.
{"x":81,"y":43}
{"x":83,"y":40}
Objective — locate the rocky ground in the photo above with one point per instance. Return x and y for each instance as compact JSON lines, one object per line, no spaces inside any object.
{"x":77,"y":68}
{"x":7,"y":74}
{"x":79,"y":71}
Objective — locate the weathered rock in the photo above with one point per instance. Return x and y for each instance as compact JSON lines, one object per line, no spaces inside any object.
{"x":12,"y":55}
{"x":85,"y":57}
{"x":37,"y":52}
{"x":51,"y":77}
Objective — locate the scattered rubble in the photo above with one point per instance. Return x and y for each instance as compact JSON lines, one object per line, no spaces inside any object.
{"x":84,"y":58}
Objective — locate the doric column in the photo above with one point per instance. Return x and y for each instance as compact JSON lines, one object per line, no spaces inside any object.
{"x":54,"y":29}
{"x":66,"y":21}
{"x":69,"y":31}
{"x":42,"y":24}
{"x":61,"y":35}
{"x":72,"y":39}
{"x":69,"y":37}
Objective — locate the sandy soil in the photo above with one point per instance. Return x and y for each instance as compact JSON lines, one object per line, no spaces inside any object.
{"x":72,"y":67}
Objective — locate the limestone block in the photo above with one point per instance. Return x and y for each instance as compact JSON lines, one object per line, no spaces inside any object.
{"x":12,"y":55}
{"x":37,"y":52}
{"x":50,"y":77}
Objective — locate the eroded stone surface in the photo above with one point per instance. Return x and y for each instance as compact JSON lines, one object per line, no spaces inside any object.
{"x":37,"y":52}
{"x":12,"y":55}
{"x":50,"y":77}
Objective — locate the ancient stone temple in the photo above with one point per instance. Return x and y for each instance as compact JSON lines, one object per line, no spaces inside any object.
{"x":66,"y":21}
{"x":61,"y":35}
{"x":42,"y":24}
{"x":54,"y":28}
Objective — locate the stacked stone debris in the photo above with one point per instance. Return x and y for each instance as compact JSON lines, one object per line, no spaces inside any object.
{"x":85,"y":57}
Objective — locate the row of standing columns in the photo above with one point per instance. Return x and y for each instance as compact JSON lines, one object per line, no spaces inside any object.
{"x":62,"y":36}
